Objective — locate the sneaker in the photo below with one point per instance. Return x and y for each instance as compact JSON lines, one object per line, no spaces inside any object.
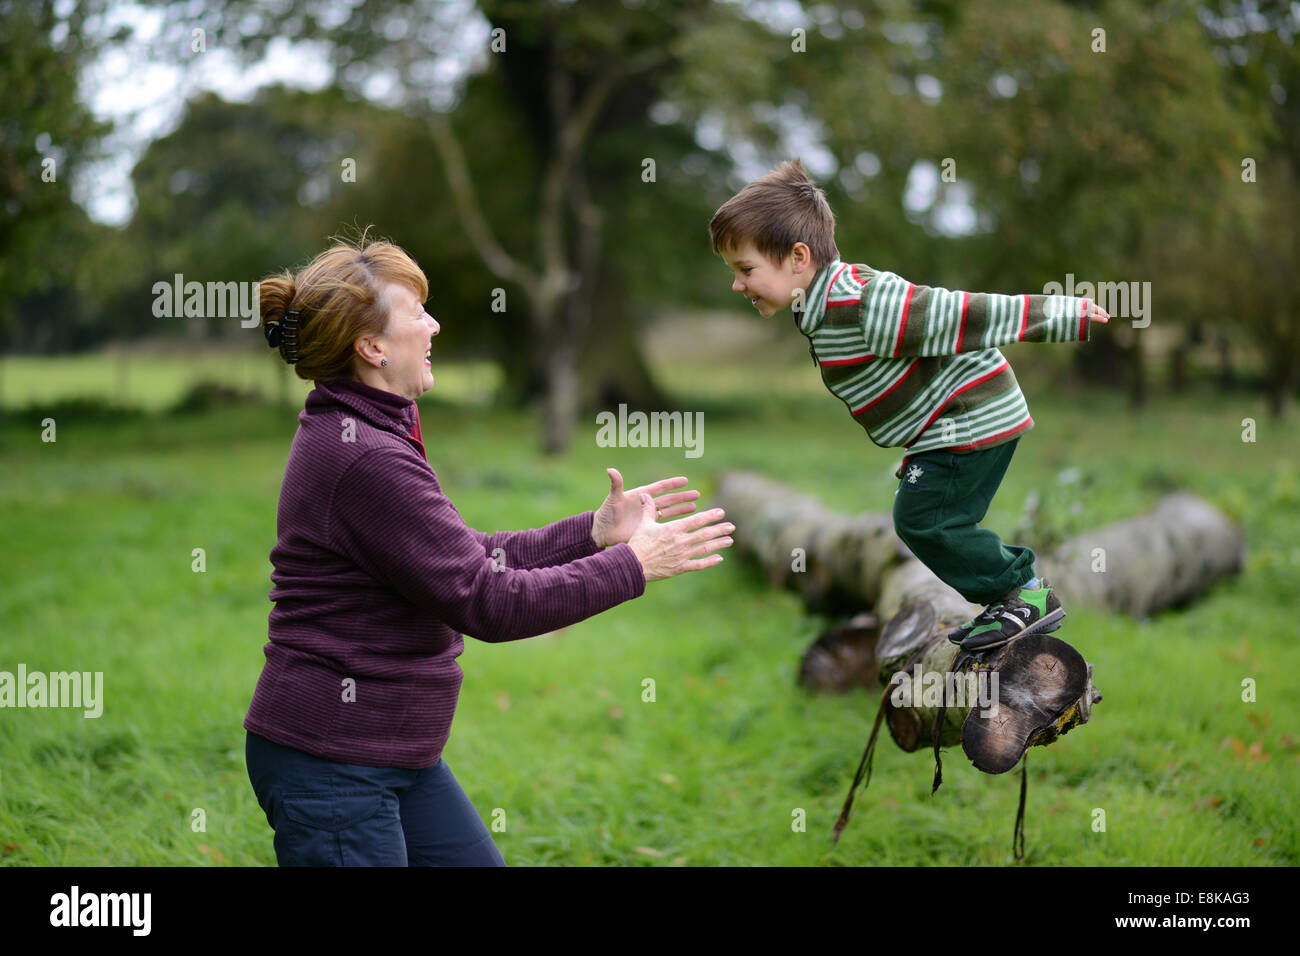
{"x":1021,"y":611}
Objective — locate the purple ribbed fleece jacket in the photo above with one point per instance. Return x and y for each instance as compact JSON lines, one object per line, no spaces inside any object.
{"x":376,"y":577}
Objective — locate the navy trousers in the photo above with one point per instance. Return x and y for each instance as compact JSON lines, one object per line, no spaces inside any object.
{"x":338,"y":814}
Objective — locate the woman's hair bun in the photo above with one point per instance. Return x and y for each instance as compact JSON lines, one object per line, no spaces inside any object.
{"x":279,"y":324}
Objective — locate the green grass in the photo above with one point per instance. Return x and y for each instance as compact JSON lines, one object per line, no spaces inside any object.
{"x":156,"y":378}
{"x":99,"y":532}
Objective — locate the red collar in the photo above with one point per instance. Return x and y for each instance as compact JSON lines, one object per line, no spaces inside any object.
{"x":416,"y":437}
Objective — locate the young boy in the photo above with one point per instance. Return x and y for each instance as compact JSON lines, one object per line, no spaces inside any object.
{"x":918,"y":368}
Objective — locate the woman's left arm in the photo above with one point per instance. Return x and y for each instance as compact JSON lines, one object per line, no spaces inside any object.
{"x":612,"y":523}
{"x":546,"y":547}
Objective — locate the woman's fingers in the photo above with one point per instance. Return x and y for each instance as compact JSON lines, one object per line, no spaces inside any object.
{"x":711,"y":531}
{"x":676,"y":498}
{"x":677,"y":504}
{"x":706,"y":540}
{"x":664,"y":484}
{"x":669,"y":503}
{"x":695,"y":521}
{"x":708,"y":547}
{"x":674,"y":509}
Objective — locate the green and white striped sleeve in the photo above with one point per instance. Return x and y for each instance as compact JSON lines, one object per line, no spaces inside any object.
{"x":902,"y":318}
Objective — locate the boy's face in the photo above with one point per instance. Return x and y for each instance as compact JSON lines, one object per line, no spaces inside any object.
{"x":769,"y":286}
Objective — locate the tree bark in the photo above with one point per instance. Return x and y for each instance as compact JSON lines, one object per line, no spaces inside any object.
{"x":1227,"y":375}
{"x":561,"y":408}
{"x":616,"y":373}
{"x":1137,"y":372}
{"x":560,"y":282}
{"x":1161,"y":559}
{"x":1043,"y":688}
{"x":1039,"y":682}
{"x":1280,"y":388}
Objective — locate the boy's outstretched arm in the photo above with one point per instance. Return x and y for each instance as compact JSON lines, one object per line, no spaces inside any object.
{"x":903,"y":318}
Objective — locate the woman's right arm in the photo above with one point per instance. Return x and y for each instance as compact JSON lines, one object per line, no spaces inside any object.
{"x":389,"y":515}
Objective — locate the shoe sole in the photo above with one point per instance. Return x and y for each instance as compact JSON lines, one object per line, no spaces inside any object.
{"x":1044,"y":625}
{"x":1038,"y":680}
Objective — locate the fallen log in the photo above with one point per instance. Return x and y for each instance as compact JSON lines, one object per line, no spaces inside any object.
{"x":1044,"y":688}
{"x":927,"y":706}
{"x":1161,"y":559}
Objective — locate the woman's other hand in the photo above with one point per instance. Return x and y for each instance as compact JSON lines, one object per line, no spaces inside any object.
{"x":619,"y":516}
{"x":675,"y":547}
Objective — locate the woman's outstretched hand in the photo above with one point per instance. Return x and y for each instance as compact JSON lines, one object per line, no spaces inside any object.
{"x":619,"y":516}
{"x":687,"y":544}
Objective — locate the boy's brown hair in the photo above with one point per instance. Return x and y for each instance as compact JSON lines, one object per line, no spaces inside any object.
{"x":774,"y":212}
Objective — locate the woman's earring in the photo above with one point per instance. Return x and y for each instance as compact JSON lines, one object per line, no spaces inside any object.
{"x":383,"y":362}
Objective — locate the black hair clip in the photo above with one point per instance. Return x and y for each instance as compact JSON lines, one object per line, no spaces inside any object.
{"x":289,"y":337}
{"x":284,"y":336}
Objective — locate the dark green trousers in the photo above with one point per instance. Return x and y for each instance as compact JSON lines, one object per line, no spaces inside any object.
{"x":938,"y":506}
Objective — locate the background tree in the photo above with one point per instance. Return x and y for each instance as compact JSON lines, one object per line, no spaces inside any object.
{"x":47,"y":138}
{"x":1252,"y":252}
{"x":1073,"y":152}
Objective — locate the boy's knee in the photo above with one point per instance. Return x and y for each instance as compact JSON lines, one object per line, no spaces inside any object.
{"x":906,"y":515}
{"x":908,"y":523}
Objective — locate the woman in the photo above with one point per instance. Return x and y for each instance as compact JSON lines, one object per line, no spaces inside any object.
{"x":376,"y":577}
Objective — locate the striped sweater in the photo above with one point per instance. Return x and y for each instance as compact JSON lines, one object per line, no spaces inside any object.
{"x":918,"y":367}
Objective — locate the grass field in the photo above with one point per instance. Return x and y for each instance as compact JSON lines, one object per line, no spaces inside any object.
{"x":99,"y":531}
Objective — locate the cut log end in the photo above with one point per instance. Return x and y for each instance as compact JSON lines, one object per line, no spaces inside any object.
{"x":1041,"y":681}
{"x":842,"y":658}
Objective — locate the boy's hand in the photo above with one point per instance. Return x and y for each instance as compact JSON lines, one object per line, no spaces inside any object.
{"x":1097,"y":314}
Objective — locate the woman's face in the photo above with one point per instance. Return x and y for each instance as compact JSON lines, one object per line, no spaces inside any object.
{"x":407,"y":341}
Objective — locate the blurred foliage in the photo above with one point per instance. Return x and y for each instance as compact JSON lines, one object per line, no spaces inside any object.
{"x":1122,"y":163}
{"x":47,"y":137}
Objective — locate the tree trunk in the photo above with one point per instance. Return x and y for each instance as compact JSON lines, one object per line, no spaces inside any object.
{"x":1280,"y":388}
{"x":1180,"y":355}
{"x":1101,"y":362}
{"x":522,"y":367}
{"x":615,"y":371}
{"x":800,"y":544}
{"x":997,"y":703}
{"x":1227,"y":377}
{"x":1137,"y":372}
{"x":1161,"y":559}
{"x":561,"y":403}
